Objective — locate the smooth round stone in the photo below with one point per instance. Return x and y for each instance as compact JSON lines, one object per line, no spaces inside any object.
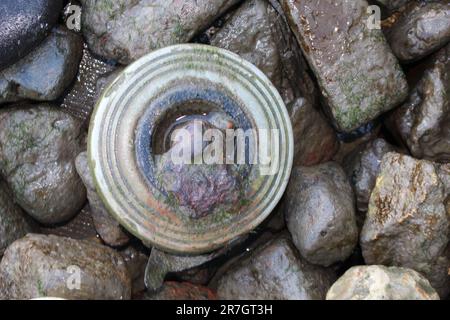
{"x":23,"y":25}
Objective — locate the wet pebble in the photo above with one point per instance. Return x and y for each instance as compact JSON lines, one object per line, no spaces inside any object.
{"x":39,"y":266}
{"x":320,"y":213}
{"x":37,"y":160}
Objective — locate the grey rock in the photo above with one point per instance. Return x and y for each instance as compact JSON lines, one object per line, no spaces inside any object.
{"x":107,"y":227}
{"x":261,"y":35}
{"x":37,"y":155}
{"x":320,"y":213}
{"x":40,"y":266}
{"x":45,"y":73}
{"x":274,"y":272}
{"x":423,"y":122}
{"x":362,"y":167}
{"x":13,"y":222}
{"x":126,"y":30}
{"x":24,"y":24}
{"x":421,"y":30}
{"x":381,"y":283}
{"x":357,"y":72}
{"x":406,"y":223}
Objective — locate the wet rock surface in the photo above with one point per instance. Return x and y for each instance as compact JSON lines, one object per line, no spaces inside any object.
{"x":381,"y":283}
{"x":40,"y":266}
{"x":45,"y":73}
{"x":274,"y":271}
{"x":37,"y":154}
{"x":24,"y":24}
{"x":337,"y":77}
{"x":13,"y":222}
{"x":423,"y":122}
{"x":362,"y":167}
{"x":314,"y":140}
{"x":126,"y":30}
{"x":107,"y":227}
{"x":320,"y":213}
{"x":161,"y":263}
{"x":406,"y":222}
{"x":357,"y":83}
{"x":421,"y":30}
{"x":251,"y":33}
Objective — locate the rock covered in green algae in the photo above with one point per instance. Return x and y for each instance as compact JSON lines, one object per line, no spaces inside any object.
{"x":358,"y":75}
{"x":40,"y":266}
{"x":126,"y":30}
{"x":37,"y":155}
{"x":45,"y":73}
{"x":406,"y":223}
{"x":381,"y":283}
{"x":13,"y":223}
{"x":320,"y":213}
{"x":423,"y":121}
{"x":421,"y":30}
{"x":274,"y":271}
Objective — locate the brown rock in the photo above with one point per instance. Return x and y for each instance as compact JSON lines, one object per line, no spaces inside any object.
{"x":406,"y":224}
